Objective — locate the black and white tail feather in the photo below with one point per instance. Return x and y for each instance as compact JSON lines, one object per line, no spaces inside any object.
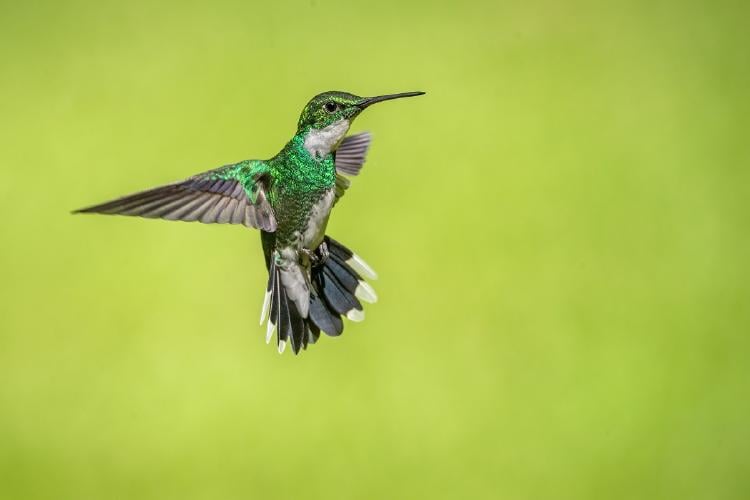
{"x":337,"y":288}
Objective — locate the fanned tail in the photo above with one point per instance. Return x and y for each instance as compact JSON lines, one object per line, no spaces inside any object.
{"x":340,"y":283}
{"x":337,"y":288}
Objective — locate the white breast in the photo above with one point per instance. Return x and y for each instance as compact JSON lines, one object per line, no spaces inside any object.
{"x":320,"y":142}
{"x":316,"y":224}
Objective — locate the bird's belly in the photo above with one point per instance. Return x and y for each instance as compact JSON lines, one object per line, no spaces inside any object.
{"x":317,"y":221}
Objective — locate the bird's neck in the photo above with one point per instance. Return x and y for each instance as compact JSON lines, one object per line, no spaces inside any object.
{"x":298,"y":169}
{"x":319,"y":143}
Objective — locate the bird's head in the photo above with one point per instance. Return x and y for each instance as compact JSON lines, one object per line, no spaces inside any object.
{"x":327,"y":117}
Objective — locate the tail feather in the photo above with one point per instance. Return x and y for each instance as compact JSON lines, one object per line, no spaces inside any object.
{"x":337,"y":296}
{"x":273,"y":316}
{"x":283,"y":315}
{"x":297,"y":327}
{"x":323,"y":317}
{"x":351,"y":280}
{"x":340,"y":284}
{"x":313,"y":333}
{"x":270,"y":307}
{"x":354,"y":261}
{"x":346,"y":276}
{"x":335,"y":289}
{"x":284,"y":323}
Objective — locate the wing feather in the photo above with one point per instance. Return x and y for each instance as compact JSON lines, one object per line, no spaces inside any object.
{"x":219,"y":196}
{"x":349,"y":158}
{"x":351,"y":153}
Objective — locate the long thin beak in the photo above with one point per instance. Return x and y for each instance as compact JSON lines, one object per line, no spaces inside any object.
{"x":367,"y":101}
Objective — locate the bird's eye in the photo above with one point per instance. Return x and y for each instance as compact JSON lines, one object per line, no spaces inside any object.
{"x":331,"y":106}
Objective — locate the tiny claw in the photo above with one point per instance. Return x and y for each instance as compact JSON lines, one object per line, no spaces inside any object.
{"x":317,"y":257}
{"x":322,"y":250}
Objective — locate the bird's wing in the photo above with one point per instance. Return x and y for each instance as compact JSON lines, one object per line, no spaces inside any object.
{"x":349,"y":158}
{"x":350,"y":155}
{"x":233,"y":194}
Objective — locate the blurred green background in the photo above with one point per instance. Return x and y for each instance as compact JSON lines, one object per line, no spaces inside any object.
{"x":560,"y":227}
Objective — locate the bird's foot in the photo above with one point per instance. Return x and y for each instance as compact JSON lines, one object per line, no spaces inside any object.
{"x":319,"y":256}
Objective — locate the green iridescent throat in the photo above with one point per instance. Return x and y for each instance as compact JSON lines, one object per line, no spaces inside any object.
{"x":301,"y":172}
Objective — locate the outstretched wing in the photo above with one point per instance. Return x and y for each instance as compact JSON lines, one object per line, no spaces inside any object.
{"x":349,"y":158}
{"x":233,"y":194}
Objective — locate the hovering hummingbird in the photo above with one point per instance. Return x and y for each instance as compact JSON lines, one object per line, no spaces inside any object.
{"x":313,"y":280}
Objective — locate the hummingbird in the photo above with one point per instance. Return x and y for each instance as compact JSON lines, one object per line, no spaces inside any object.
{"x":313,"y":280}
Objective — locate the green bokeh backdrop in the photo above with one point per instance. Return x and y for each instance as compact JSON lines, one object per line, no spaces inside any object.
{"x":560,"y":227}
